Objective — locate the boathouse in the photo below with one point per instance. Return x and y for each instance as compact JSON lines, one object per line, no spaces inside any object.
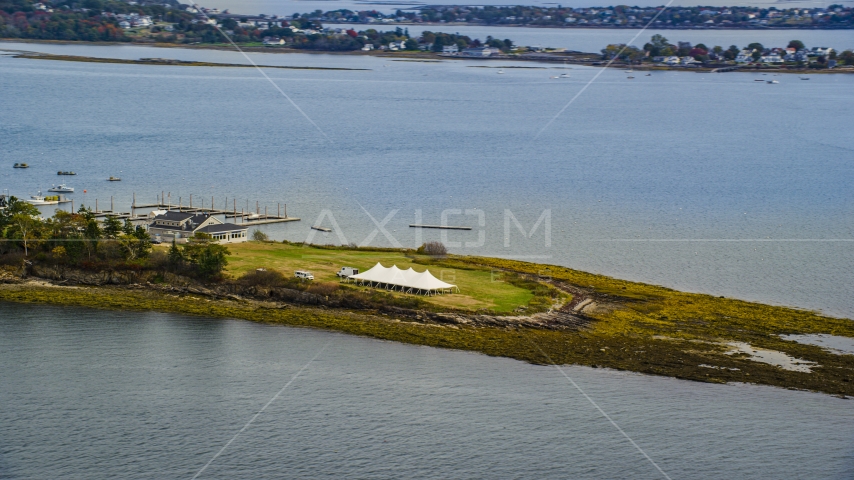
{"x":180,"y":226}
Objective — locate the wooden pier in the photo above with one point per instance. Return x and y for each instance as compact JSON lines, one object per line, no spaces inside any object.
{"x":441,"y":227}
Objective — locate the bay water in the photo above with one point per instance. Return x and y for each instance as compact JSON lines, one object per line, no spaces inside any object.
{"x":95,"y":394}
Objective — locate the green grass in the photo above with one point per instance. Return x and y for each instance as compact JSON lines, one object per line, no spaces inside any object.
{"x":479,"y":288}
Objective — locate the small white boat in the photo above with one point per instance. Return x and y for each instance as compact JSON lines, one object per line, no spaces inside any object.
{"x":564,"y":75}
{"x":500,"y":72}
{"x":771,"y":81}
{"x":648,"y":74}
{"x":41,"y":200}
{"x":61,"y":188}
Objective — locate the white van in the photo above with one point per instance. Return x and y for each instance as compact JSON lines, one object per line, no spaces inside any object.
{"x":303,"y":275}
{"x":347,"y":271}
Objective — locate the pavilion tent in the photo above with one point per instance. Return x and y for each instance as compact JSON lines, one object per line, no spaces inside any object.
{"x":409,"y":281}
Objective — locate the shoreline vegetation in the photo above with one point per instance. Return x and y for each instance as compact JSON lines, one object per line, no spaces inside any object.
{"x":175,"y":24}
{"x":581,"y":59}
{"x":531,"y":312}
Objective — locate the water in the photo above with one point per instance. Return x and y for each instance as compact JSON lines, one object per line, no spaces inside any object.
{"x":709,"y":183}
{"x":92,"y":394}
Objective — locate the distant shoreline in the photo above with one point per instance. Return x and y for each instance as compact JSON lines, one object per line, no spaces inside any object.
{"x":572,"y":59}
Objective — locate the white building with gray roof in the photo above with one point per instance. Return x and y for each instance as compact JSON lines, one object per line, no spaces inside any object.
{"x":181,"y":226}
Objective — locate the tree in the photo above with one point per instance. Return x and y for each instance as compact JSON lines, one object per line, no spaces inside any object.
{"x":135,"y":242}
{"x":847,"y":57}
{"x":656,"y":45}
{"x":731,"y":52}
{"x":797,"y":45}
{"x":208,"y":258}
{"x":259,"y":236}
{"x":175,"y":257}
{"x":112,"y":227}
{"x":757,"y":49}
{"x":27,"y":226}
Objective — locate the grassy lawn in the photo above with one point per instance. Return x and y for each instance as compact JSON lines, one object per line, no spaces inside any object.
{"x":478,"y":288}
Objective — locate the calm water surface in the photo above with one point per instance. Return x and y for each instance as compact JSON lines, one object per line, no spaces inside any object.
{"x":710,"y":183}
{"x":92,"y":394}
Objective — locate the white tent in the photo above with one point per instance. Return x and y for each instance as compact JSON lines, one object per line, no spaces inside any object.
{"x":408,"y":281}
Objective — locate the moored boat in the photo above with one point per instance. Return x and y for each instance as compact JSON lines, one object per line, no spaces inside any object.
{"x":114,"y":179}
{"x":65,"y":173}
{"x":61,"y":188}
{"x":20,"y":165}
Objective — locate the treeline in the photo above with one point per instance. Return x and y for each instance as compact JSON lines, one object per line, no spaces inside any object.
{"x":833,"y":16}
{"x":659,"y":46}
{"x":78,"y":239}
{"x":80,"y":21}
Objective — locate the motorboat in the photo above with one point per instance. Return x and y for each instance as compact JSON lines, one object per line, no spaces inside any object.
{"x":805,"y":78}
{"x":61,"y":188}
{"x":65,"y":173}
{"x":771,"y":81}
{"x":20,"y":165}
{"x":114,"y":179}
{"x":630,"y":77}
{"x":42,"y":200}
{"x":500,"y":72}
{"x":564,"y":75}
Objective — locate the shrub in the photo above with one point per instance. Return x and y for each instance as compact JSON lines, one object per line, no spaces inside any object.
{"x":324,"y":289}
{"x":434,"y":249}
{"x":264,"y":278}
{"x":260,"y":236}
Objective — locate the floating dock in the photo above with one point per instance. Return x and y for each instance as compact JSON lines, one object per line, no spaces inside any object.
{"x":441,"y":227}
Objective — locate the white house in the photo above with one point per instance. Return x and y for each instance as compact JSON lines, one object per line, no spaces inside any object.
{"x":479,"y":52}
{"x":744,"y":56}
{"x":124,"y":24}
{"x":673,"y":60}
{"x":450,"y":49}
{"x":273,"y":41}
{"x":773,"y":58}
{"x":368,"y":47}
{"x":181,"y":226}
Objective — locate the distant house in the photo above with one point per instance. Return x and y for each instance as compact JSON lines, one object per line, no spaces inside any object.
{"x":180,"y":226}
{"x":450,"y":49}
{"x":744,"y":56}
{"x":773,"y":58}
{"x":479,"y":52}
{"x":688,"y":60}
{"x":672,"y":60}
{"x":124,"y":24}
{"x":820,"y":51}
{"x":273,"y":41}
{"x":368,"y":47}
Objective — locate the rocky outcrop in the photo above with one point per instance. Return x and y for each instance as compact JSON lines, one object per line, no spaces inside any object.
{"x":73,"y":276}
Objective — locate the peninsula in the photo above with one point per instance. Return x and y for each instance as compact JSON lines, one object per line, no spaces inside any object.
{"x":531,"y":312}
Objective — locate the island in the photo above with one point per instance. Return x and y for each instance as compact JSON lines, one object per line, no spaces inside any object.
{"x":173,"y":24}
{"x":543,"y":314}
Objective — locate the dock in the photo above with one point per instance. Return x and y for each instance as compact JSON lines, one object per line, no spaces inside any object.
{"x":246,"y":218}
{"x":322,"y":229}
{"x":441,"y":227}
